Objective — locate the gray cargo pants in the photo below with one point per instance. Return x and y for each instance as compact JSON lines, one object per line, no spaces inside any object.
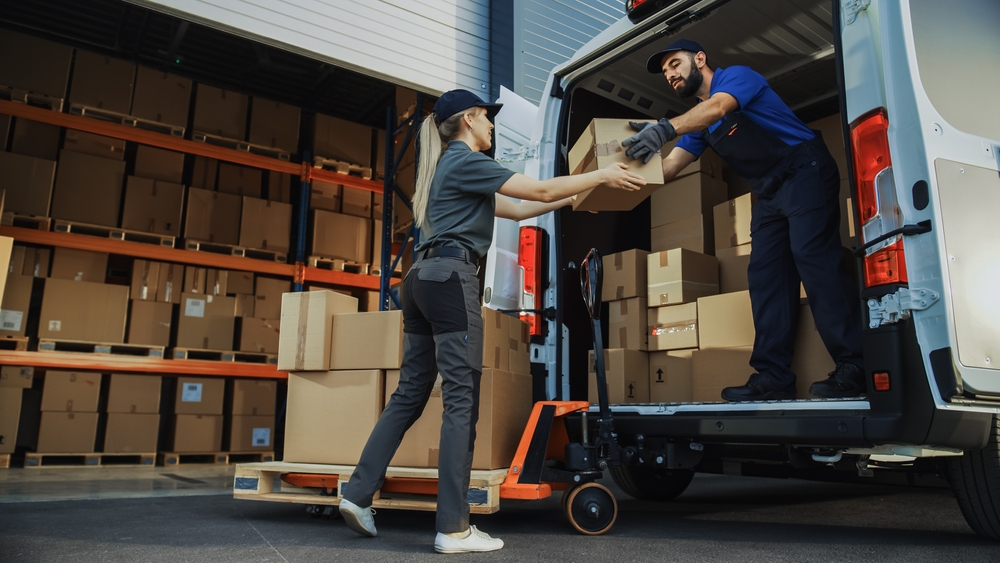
{"x":442,"y":333}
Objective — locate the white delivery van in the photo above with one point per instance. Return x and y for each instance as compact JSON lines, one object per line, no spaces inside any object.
{"x":915,"y":83}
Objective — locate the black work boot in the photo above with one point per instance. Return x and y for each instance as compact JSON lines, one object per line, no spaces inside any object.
{"x":846,"y":381}
{"x":758,"y":389}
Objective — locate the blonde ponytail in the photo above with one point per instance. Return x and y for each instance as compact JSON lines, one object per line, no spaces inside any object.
{"x":432,"y":139}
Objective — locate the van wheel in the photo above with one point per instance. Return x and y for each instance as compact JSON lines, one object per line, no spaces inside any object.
{"x":975,"y":480}
{"x":645,"y":483}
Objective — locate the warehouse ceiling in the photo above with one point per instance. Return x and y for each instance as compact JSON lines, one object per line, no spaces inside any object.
{"x":154,"y":39}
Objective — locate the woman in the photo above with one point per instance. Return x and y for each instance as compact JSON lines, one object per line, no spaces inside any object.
{"x":458,"y":191}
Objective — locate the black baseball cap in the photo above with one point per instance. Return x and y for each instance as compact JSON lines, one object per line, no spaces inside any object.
{"x":454,"y":101}
{"x":654,"y":64}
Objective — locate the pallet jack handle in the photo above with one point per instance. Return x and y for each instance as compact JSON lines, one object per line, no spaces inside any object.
{"x":591,"y":282}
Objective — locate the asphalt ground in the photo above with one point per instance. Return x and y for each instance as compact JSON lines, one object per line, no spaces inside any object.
{"x":719,"y":518}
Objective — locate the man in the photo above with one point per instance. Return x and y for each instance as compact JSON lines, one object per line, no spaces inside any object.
{"x":795,"y":223}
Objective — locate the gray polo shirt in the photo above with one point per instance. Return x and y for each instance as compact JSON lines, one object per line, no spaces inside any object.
{"x":463,"y":200}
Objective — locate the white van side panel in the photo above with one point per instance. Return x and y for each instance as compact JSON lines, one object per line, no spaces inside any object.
{"x":429,"y":45}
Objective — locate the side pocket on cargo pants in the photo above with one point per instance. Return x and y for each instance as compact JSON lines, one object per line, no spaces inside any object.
{"x":474,"y":336}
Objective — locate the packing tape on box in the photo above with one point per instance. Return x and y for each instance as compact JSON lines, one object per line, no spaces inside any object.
{"x":664,"y":259}
{"x":623,"y":337}
{"x":593,"y":361}
{"x":673,"y":328}
{"x":618,"y":261}
{"x":145,"y":279}
{"x":623,"y":307}
{"x":607,"y":149}
{"x":300,"y":344}
{"x":620,"y":292}
{"x":660,"y":292}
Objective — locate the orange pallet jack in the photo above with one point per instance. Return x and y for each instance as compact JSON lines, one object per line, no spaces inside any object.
{"x":545,"y":461}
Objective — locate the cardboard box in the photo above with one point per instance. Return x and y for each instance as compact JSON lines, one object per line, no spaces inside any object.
{"x":153,"y":206}
{"x":359,"y":398}
{"x":239,"y":283}
{"x":170,"y":282}
{"x":259,"y":335}
{"x":95,"y":145}
{"x":680,"y":276}
{"x":696,"y":194}
{"x":279,"y":186}
{"x":213,"y":216}
{"x":244,"y":305}
{"x":732,"y":221}
{"x":341,"y":236}
{"x":627,"y":324}
{"x":20,"y":377}
{"x":506,"y":342}
{"x":128,"y":433}
{"x":85,"y":311}
{"x":725,"y":321}
{"x":197,"y":433}
{"x":733,"y":264}
{"x":159,"y":164}
{"x":504,"y":408}
{"x":206,"y":281}
{"x":36,"y":262}
{"x":325,"y":196}
{"x":254,"y":397}
{"x":10,"y":416}
{"x":150,"y":323}
{"x":200,"y":395}
{"x":520,"y":347}
{"x":35,"y":139}
{"x":670,"y":377}
{"x":694,"y":233}
{"x":811,"y":361}
{"x":251,"y":433}
{"x":16,"y":265}
{"x":220,"y":112}
{"x":627,"y":374}
{"x":266,"y":225}
{"x":6,"y":255}
{"x":88,"y":189}
{"x":306,"y":330}
{"x":368,"y":301}
{"x":206,"y":322}
{"x":269,"y":293}
{"x":34,"y":64}
{"x":15,"y":304}
{"x":102,"y":82}
{"x":624,"y":275}
{"x":367,"y":341}
{"x":847,"y":236}
{"x":275,"y":125}
{"x":79,"y":265}
{"x":709,"y":164}
{"x":71,"y":391}
{"x":356,"y":202}
{"x":204,"y":173}
{"x":67,"y":433}
{"x":161,"y":97}
{"x":718,"y":368}
{"x":599,"y":146}
{"x":342,"y":140}
{"x":673,"y":328}
{"x":134,"y":394}
{"x":145,"y":279}
{"x":240,"y":180}
{"x":27,"y":183}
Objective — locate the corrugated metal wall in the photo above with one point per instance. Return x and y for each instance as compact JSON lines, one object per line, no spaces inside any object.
{"x":550,"y":32}
{"x":429,"y":45}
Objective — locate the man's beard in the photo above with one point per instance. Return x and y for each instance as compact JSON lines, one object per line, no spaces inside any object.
{"x":692,"y":82}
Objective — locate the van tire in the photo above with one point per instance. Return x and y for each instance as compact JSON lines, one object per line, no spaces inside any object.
{"x":975,"y":480}
{"x":645,"y":483}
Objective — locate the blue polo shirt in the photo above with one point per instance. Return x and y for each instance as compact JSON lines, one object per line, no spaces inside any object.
{"x":758,"y":102}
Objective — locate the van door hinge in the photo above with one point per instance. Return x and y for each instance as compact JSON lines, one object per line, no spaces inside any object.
{"x":897,"y":306}
{"x":854,"y":7}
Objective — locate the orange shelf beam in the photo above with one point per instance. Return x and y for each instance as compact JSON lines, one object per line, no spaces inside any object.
{"x":346,"y":180}
{"x":334,"y":277}
{"x":147,"y":251}
{"x":132,"y":364}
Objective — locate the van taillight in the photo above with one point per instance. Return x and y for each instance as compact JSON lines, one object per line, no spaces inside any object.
{"x":529,"y":257}
{"x":878,"y":211}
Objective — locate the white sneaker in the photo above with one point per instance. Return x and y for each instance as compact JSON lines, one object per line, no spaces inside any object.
{"x":358,"y":519}
{"x":476,"y":541}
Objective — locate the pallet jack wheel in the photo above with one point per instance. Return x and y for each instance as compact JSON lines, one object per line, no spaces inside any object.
{"x":591,"y":509}
{"x":564,"y":502}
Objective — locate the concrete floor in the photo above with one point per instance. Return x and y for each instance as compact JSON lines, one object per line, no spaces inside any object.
{"x":98,"y":483}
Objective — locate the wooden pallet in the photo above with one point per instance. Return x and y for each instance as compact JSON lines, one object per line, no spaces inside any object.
{"x":76,"y":346}
{"x":14,"y":343}
{"x":224,"y":356}
{"x":214,"y":458}
{"x":114,"y":233}
{"x":338,"y":265}
{"x":342,"y":167}
{"x":128,"y":120}
{"x":405,"y":488}
{"x":12,"y":219}
{"x":233,"y":250}
{"x":31,"y":98}
{"x":240,"y":146}
{"x":4,"y":461}
{"x":90,"y":460}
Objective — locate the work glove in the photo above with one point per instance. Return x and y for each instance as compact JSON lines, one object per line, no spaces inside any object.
{"x":650,"y":138}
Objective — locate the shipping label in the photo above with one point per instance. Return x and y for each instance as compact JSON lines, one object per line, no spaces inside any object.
{"x":194,"y":308}
{"x":11,"y":320}
{"x":191,"y":393}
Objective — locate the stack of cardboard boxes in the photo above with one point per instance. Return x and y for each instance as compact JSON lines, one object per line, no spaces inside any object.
{"x":69,"y":412}
{"x":133,"y":414}
{"x":198,"y":415}
{"x":351,"y":360}
{"x":13,"y":381}
{"x":251,"y":420}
